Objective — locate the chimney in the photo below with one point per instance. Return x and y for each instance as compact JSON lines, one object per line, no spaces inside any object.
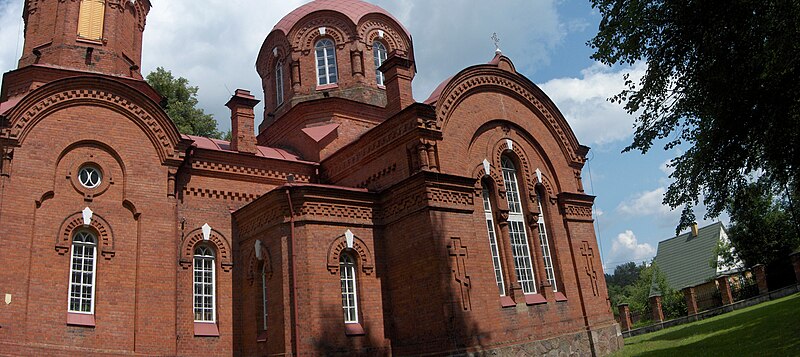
{"x":398,"y":70}
{"x":243,"y":138}
{"x":694,"y":229}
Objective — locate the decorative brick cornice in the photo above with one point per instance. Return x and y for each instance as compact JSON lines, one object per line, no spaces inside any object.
{"x":576,"y":206}
{"x":427,"y":190}
{"x":336,"y":28}
{"x":259,"y":174}
{"x":220,"y":194}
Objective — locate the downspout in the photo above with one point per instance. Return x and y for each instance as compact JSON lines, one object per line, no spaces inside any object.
{"x":295,"y":344}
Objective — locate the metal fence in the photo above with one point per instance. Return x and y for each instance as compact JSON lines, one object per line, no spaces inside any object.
{"x":744,"y":287}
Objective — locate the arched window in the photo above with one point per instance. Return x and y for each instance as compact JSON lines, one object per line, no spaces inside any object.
{"x":82,"y":272}
{"x":90,"y":20}
{"x":326,"y":62}
{"x":523,"y":266}
{"x":264,"y":297}
{"x":204,"y":297}
{"x":347,"y":272}
{"x":498,"y":269}
{"x":546,"y":256}
{"x":379,"y":54}
{"x":279,"y":83}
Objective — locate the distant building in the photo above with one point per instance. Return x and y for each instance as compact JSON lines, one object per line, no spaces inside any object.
{"x":686,"y":260}
{"x":357,"y":221}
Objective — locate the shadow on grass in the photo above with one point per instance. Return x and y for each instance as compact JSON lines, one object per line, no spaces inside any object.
{"x":769,"y":329}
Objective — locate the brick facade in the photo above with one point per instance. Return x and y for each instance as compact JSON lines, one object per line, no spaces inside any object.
{"x":362,"y":171}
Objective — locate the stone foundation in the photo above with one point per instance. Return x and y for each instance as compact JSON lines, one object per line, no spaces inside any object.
{"x":605,"y":340}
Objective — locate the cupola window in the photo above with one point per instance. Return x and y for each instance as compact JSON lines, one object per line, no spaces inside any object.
{"x":90,"y":21}
{"x":379,"y":53}
{"x":326,"y":62}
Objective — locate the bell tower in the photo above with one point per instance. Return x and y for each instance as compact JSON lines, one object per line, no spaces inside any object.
{"x":101,"y":36}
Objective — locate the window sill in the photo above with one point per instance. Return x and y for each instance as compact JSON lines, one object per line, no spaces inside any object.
{"x":262,"y":336}
{"x":98,"y":42}
{"x":354,"y":329}
{"x":206,"y":329}
{"x":78,"y":319}
{"x":535,"y":299}
{"x":560,"y":296}
{"x":327,"y":86}
{"x":507,"y":301}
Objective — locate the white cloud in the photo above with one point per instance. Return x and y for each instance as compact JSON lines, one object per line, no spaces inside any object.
{"x":647,"y":203}
{"x":626,"y":247}
{"x":11,"y":27}
{"x":584,"y":102}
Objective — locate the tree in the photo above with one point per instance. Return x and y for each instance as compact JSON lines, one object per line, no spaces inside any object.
{"x":722,"y":79}
{"x":181,"y":104}
{"x":761,"y":231}
{"x":625,"y":274}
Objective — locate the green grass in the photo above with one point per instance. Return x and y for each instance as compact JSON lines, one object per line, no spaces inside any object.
{"x":768,"y":329}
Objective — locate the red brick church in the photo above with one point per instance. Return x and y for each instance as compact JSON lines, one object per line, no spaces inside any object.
{"x":357,"y":222}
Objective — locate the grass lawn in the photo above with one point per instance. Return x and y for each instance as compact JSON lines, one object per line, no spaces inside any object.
{"x":768,"y":329}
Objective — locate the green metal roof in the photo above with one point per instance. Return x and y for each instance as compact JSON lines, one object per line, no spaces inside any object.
{"x":684,"y":259}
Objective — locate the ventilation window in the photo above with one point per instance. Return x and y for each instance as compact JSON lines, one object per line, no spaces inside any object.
{"x":90,"y":176}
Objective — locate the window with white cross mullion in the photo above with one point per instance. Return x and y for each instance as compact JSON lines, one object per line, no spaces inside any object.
{"x":82,"y":273}
{"x":546,"y":256}
{"x":204,"y":297}
{"x":498,"y":269}
{"x":523,"y":266}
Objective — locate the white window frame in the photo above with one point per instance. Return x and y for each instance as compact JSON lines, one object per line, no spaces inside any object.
{"x":207,"y":256}
{"x":523,"y":265}
{"x":279,"y":83}
{"x":495,"y":249}
{"x":330,"y":70}
{"x":82,"y":272}
{"x":543,"y":239}
{"x":347,"y":277}
{"x":90,"y":170}
{"x":264,"y":295}
{"x":379,"y":54}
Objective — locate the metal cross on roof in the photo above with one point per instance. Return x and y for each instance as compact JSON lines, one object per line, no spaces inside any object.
{"x":496,"y":41}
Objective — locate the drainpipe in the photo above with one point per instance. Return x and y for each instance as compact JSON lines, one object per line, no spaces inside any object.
{"x":296,"y":343}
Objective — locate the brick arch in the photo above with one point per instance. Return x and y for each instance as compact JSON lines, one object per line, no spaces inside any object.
{"x":368,"y":31}
{"x":361,"y":250}
{"x":491,"y":78}
{"x":98,"y":225}
{"x":265,"y":62}
{"x":216,"y":238}
{"x":479,"y":172}
{"x":100,"y":92}
{"x":501,"y":148}
{"x":305,"y":34}
{"x":253,"y":263}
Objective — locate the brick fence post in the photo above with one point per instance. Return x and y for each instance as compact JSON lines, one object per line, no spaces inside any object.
{"x":691,"y":300}
{"x":625,"y":316}
{"x":725,"y":290}
{"x":655,"y":305}
{"x":760,"y":273}
{"x":796,"y":263}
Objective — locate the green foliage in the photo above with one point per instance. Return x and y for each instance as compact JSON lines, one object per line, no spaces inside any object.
{"x":652,"y":281}
{"x":762,"y":229}
{"x":181,"y":104}
{"x":721,"y":79}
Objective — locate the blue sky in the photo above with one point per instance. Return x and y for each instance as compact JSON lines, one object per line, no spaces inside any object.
{"x":215,"y":46}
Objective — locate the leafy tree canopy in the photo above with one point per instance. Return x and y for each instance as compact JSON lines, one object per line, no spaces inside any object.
{"x":761,"y":230}
{"x":181,"y":104}
{"x":722,"y":79}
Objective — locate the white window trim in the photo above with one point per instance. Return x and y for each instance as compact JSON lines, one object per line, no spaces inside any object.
{"x":72,"y":270}
{"x":346,"y":268}
{"x":547,"y":257}
{"x":279,"y":83}
{"x":515,"y":216}
{"x":493,"y":246}
{"x":327,"y":65}
{"x":378,"y":59}
{"x":97,"y":171}
{"x":212,"y":257}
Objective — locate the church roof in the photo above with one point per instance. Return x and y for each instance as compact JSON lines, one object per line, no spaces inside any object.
{"x":222,"y":145}
{"x":353,"y":9}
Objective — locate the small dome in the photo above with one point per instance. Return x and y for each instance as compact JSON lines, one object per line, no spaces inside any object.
{"x":353,"y":9}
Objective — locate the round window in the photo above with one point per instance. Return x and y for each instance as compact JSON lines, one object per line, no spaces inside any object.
{"x":90,"y":176}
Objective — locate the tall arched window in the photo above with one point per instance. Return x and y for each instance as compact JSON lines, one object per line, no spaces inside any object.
{"x":546,"y":256}
{"x":326,"y":62}
{"x":347,"y":271}
{"x":498,"y":269}
{"x":264,"y":296}
{"x":279,"y":83}
{"x":204,"y":294}
{"x":90,"y":20}
{"x":82,"y":272}
{"x":523,"y":266}
{"x":379,"y":54}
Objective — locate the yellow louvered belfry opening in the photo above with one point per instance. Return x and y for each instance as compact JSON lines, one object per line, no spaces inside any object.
{"x":90,"y":22}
